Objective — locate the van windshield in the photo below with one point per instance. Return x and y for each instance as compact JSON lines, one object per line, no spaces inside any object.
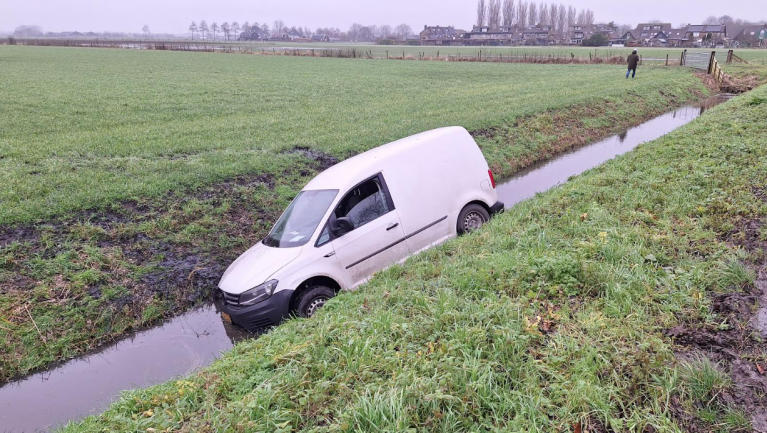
{"x":302,"y":217}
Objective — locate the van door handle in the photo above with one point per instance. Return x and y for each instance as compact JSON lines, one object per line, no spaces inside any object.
{"x":392,"y":226}
{"x":330,"y":254}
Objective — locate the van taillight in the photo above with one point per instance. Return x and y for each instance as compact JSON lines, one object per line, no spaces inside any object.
{"x":492,"y":179}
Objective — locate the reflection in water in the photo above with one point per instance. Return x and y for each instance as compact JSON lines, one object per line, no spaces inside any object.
{"x":87,"y":386}
{"x":548,"y":174}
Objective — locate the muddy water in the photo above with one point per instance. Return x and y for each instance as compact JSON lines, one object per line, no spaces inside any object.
{"x":183,"y":345}
{"x":87,"y":386}
{"x":556,"y":171}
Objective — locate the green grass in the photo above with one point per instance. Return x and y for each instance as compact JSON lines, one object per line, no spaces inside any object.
{"x":86,"y":129}
{"x":550,"y":318}
{"x":82,"y":128}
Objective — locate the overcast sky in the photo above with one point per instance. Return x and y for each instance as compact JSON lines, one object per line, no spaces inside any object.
{"x":174,"y":16}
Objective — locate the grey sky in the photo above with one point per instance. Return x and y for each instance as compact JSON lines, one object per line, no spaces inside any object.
{"x":174,"y":16}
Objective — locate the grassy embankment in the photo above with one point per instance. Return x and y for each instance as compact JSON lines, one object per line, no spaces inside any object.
{"x":552,"y":318}
{"x":131,"y":179}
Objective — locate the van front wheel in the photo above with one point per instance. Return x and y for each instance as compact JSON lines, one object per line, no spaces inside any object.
{"x":312,"y":299}
{"x":471,"y":218}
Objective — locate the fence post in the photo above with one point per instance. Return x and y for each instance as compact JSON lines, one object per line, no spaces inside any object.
{"x":684,"y":57}
{"x":666,"y":59}
{"x":711,"y":62}
{"x":729,"y":56}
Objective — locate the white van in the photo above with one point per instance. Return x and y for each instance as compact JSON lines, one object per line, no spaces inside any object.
{"x":359,"y":217}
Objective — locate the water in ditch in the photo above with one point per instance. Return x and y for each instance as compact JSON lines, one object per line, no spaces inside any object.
{"x":181,"y":346}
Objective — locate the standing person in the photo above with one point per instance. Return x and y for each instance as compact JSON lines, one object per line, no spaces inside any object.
{"x":633,"y":61}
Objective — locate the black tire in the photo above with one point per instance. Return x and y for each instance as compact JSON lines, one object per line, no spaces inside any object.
{"x":472,"y":217}
{"x":312,"y":299}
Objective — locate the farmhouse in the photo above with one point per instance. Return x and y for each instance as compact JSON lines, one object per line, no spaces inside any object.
{"x":646,"y":32}
{"x":438,"y":35}
{"x":254,"y":33}
{"x":751,"y":36}
{"x":706,"y":35}
{"x":320,"y":38}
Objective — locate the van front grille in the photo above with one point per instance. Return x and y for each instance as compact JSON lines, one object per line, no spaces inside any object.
{"x":230,"y":298}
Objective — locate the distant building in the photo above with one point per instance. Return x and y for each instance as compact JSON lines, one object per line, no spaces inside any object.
{"x":580,"y":32}
{"x":253,"y":33}
{"x":751,"y":36}
{"x":706,"y":35}
{"x":320,"y":38}
{"x":438,"y":35}
{"x":646,"y":32}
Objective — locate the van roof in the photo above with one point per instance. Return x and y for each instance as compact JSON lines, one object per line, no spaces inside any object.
{"x":349,"y":172}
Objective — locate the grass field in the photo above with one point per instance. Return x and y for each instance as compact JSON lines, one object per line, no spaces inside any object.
{"x":379,"y":51}
{"x":131,"y":179}
{"x":555,"y":317}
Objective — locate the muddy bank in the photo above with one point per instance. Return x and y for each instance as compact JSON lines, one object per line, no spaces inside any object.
{"x":73,"y":284}
{"x":554,"y":132}
{"x":737,"y":344}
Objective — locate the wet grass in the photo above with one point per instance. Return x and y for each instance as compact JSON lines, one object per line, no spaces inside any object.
{"x":133,"y":178}
{"x":552,"y":318}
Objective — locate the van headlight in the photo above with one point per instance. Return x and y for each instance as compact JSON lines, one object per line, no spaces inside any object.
{"x":258,"y":294}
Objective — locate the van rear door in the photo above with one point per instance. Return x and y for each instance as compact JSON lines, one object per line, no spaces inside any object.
{"x":377,"y":240}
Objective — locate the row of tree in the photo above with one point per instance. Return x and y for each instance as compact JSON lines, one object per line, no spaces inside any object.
{"x":357,"y":32}
{"x":495,"y":13}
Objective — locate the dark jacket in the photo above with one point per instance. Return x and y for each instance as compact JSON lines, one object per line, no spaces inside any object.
{"x":633,"y":61}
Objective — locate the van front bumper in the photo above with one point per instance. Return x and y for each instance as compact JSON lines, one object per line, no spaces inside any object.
{"x":262,"y":315}
{"x":497,"y":208}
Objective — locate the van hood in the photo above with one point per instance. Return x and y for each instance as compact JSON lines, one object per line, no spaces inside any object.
{"x":255,"y":266}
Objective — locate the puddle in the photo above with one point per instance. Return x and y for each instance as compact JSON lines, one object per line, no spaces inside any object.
{"x":553,"y":172}
{"x":88,"y":385}
{"x":190,"y":342}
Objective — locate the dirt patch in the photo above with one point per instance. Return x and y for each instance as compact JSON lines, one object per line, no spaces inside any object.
{"x":738,"y":342}
{"x":732,"y":84}
{"x":323,"y":160}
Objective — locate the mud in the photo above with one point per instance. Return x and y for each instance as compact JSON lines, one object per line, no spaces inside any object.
{"x":738,"y":344}
{"x":323,"y":160}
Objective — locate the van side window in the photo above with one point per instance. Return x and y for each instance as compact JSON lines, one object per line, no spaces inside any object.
{"x":364,"y":203}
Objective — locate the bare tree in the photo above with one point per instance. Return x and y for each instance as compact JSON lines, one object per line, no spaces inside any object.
{"x":589,"y":17}
{"x":563,"y":19}
{"x":279,"y":25}
{"x":403,"y":31}
{"x":509,"y":13}
{"x":265,"y":28}
{"x":355,"y":32}
{"x":726,"y":20}
{"x":481,"y":12}
{"x":554,"y":17}
{"x":235,"y":30}
{"x":226,"y":30}
{"x":494,"y":13}
{"x":193,"y":28}
{"x":214,"y":28}
{"x":246,"y":26}
{"x":532,"y":11}
{"x":26,"y":31}
{"x":581,"y":20}
{"x":145,"y":29}
{"x":522,"y":13}
{"x":385,"y":32}
{"x":711,"y":20}
{"x":203,"y":28}
{"x":543,"y":14}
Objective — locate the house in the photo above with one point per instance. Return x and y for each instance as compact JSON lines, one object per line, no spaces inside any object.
{"x":485,"y":35}
{"x":580,"y":32}
{"x":677,"y":37}
{"x":438,"y":35}
{"x":320,"y":38}
{"x":751,"y":36}
{"x":706,"y":35}
{"x":253,"y":33}
{"x":646,"y":32}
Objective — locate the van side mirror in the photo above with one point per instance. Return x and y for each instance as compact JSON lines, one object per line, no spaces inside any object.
{"x":341,"y":226}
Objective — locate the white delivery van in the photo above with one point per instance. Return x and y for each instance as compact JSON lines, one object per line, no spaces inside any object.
{"x":359,"y":217}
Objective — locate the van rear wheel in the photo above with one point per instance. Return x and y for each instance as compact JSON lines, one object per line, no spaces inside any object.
{"x":312,"y":299}
{"x":472,"y":217}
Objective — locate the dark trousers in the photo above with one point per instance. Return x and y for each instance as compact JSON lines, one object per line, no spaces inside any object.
{"x":631,"y":71}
